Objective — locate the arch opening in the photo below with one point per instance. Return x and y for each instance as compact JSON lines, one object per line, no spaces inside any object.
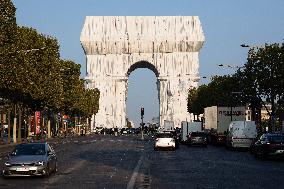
{"x":142,"y":64}
{"x":142,"y":92}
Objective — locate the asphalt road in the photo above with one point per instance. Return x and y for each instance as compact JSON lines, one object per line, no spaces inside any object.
{"x":100,"y":161}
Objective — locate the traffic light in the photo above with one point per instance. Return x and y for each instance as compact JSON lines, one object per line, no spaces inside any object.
{"x":142,"y":112}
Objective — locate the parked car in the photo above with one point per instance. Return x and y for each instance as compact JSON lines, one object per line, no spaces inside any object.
{"x":177,"y":137}
{"x":197,"y":138}
{"x":269,"y":145}
{"x":31,"y":159}
{"x":164,"y":140}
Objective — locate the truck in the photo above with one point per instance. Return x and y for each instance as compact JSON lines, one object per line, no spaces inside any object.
{"x":217,"y":121}
{"x":188,"y":127}
{"x":168,"y":125}
{"x":241,"y":134}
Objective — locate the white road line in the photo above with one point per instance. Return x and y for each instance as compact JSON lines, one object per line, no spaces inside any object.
{"x":131,"y":182}
{"x":56,"y":177}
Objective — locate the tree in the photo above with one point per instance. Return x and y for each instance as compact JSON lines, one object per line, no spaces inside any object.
{"x":219,"y":92}
{"x":73,"y":86}
{"x":263,"y":76}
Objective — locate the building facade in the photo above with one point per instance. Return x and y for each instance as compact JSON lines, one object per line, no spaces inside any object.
{"x":117,"y":45}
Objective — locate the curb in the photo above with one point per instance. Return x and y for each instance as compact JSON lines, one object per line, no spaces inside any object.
{"x":13,"y":144}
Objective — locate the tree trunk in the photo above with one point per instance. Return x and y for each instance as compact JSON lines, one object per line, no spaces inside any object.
{"x":15,"y":125}
{"x":2,"y":123}
{"x":48,"y":129}
{"x":29,"y":125}
{"x":25,"y":125}
{"x":9,"y":126}
{"x":20,"y":125}
{"x":272,"y":118}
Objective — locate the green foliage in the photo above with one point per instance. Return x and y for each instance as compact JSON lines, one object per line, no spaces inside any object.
{"x":264,"y":76}
{"x":128,"y":123}
{"x":76,"y":99}
{"x":261,"y":78}
{"x":32,"y":76}
{"x":7,"y":23}
{"x":219,"y":92}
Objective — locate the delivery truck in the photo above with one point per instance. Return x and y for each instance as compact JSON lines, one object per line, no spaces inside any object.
{"x":217,"y":121}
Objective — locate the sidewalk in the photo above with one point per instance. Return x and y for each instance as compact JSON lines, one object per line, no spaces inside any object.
{"x":6,"y":145}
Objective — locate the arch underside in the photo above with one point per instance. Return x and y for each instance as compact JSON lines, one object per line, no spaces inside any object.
{"x":176,"y":72}
{"x":142,"y":64}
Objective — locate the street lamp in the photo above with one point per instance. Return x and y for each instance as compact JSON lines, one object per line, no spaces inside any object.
{"x":251,"y":46}
{"x":31,"y":50}
{"x":230,"y":66}
{"x":120,"y":78}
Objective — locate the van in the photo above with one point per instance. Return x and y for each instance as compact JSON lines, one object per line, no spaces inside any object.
{"x":241,"y":134}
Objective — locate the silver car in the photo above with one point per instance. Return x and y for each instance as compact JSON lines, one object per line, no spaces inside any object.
{"x":31,"y":159}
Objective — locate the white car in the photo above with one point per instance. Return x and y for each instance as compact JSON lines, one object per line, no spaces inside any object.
{"x":164,"y":140}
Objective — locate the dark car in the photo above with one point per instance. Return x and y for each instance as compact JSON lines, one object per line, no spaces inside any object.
{"x":269,"y":145}
{"x":197,"y":138}
{"x":177,"y":137}
{"x":31,"y":159}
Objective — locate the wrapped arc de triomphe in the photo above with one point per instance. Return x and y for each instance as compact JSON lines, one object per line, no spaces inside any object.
{"x":117,"y":45}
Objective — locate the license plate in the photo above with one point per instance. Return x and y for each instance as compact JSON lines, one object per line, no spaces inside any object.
{"x":280,"y":151}
{"x":22,"y":169}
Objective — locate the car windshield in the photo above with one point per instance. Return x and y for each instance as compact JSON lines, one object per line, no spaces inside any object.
{"x":276,"y":138}
{"x":164,"y":135}
{"x":29,"y":149}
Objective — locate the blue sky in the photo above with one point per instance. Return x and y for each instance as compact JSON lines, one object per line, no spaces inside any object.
{"x":226,"y":24}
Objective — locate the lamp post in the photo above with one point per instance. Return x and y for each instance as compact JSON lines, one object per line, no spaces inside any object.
{"x":230,"y":66}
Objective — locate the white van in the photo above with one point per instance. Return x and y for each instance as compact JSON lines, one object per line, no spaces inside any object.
{"x":241,"y":134}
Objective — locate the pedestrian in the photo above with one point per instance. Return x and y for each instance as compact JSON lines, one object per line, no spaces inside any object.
{"x":115,"y":131}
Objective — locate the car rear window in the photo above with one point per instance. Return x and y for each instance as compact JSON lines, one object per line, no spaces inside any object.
{"x":197,"y":134}
{"x":276,"y":138}
{"x":164,"y":135}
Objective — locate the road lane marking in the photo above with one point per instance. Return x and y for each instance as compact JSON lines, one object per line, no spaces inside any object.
{"x":131,"y":182}
{"x":55,"y":178}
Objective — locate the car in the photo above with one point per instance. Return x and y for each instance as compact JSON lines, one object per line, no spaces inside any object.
{"x":269,"y":145}
{"x":177,"y":137}
{"x":197,"y":138}
{"x":30,"y":159}
{"x":164,"y":140}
